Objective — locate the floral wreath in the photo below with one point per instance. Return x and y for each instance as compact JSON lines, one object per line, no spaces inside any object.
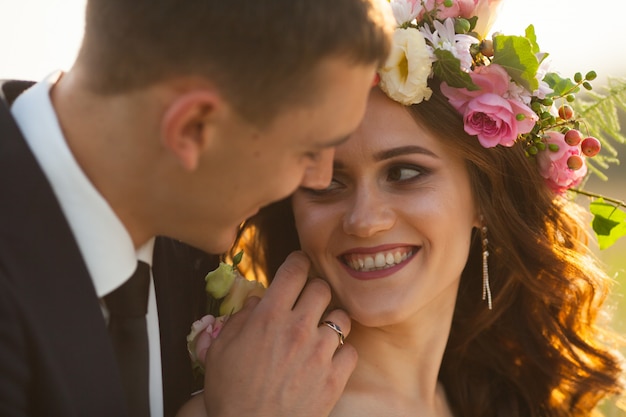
{"x":504,"y":90}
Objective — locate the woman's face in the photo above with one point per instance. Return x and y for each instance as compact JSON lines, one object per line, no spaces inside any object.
{"x":391,"y":234}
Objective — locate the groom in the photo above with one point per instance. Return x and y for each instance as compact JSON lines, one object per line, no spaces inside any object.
{"x":180,"y":119}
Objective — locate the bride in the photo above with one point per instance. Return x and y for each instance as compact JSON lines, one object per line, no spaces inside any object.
{"x":399,"y":235}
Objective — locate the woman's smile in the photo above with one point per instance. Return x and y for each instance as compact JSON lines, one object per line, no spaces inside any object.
{"x":377,"y":262}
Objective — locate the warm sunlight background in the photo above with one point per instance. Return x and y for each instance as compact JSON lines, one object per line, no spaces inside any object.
{"x":39,"y":36}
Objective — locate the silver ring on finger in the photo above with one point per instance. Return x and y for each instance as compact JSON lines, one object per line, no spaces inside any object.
{"x":337,"y":330}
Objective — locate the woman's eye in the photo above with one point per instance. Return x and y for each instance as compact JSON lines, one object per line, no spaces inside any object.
{"x":403,"y":173}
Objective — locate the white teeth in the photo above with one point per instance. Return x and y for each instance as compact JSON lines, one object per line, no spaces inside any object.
{"x":379,"y":261}
{"x":397,"y":258}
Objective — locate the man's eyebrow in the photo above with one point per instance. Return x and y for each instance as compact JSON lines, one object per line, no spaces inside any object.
{"x":334,"y":143}
{"x":403,"y":150}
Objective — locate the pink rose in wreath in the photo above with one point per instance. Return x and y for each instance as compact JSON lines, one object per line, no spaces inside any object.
{"x":554,"y":167}
{"x":487,"y":112}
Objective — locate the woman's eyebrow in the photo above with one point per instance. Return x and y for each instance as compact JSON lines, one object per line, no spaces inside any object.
{"x":403,"y":150}
{"x":390,"y":153}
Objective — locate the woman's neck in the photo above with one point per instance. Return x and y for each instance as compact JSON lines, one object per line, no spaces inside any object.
{"x":398,"y":367}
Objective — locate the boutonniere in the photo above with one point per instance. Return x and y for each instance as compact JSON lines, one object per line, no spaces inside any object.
{"x":231,"y":289}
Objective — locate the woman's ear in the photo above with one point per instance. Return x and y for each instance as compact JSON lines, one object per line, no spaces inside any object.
{"x":188,"y":125}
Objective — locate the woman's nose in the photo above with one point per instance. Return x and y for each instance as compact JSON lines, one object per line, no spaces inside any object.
{"x":368,"y":214}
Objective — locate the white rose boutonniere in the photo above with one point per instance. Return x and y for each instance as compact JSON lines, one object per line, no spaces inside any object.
{"x":227,"y":285}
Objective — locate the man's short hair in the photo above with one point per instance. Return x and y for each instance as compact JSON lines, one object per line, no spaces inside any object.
{"x":261,"y":54}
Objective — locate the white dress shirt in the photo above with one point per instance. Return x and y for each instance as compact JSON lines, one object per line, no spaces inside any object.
{"x":104,"y":242}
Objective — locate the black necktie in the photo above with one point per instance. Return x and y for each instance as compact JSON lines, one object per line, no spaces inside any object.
{"x":127,"y":308}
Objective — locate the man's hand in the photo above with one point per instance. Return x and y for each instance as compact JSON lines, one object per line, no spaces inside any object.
{"x":273,"y":358}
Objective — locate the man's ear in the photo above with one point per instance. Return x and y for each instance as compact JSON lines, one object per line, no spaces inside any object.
{"x":188,"y":125}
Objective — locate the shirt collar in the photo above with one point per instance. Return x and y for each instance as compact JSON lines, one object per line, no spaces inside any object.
{"x":104,"y":242}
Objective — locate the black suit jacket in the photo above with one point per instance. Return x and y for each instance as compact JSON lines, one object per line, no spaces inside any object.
{"x":55,"y":354}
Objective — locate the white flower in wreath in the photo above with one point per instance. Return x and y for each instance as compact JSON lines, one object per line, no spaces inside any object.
{"x":406,"y":10}
{"x":445,"y":38}
{"x":404,"y":77}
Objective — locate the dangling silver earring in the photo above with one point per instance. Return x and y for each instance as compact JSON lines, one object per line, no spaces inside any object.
{"x":485,"y":241}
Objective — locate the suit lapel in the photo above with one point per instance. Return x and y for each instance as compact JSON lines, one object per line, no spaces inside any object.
{"x":42,"y":261}
{"x":179,"y":272}
{"x":10,"y":89}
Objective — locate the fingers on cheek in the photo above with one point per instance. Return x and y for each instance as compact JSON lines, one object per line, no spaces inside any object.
{"x":315,"y":297}
{"x":295,"y":266}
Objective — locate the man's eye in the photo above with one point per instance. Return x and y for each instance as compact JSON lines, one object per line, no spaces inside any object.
{"x":333,"y":186}
{"x":312,"y":156}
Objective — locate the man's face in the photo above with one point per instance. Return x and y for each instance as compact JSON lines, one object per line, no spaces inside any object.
{"x":250,"y":167}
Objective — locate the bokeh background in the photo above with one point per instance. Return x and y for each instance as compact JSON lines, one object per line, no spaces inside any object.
{"x":39,"y":36}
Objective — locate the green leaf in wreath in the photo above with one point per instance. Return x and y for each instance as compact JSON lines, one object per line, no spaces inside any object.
{"x":560,"y":86}
{"x":516,"y":55}
{"x":609,"y":223}
{"x":603,"y":226}
{"x":472,"y":20}
{"x":448,"y":68}
{"x":532,"y":38}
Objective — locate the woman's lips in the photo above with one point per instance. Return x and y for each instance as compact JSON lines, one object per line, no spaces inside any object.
{"x":377,"y":262}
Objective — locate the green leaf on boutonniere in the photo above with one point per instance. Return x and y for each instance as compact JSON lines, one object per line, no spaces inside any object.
{"x":448,"y":68}
{"x":609,"y":223}
{"x":237,"y":258}
{"x":516,"y":55}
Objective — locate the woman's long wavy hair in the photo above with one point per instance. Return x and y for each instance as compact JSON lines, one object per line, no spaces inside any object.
{"x":540,"y":351}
